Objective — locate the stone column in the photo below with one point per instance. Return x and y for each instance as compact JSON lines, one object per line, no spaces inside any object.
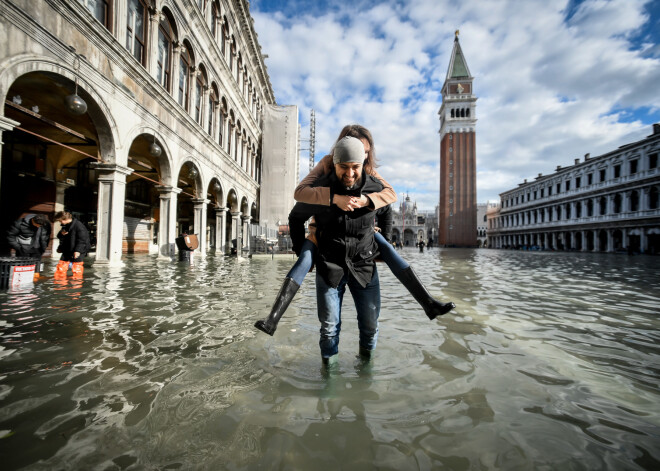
{"x":176,"y":63}
{"x":643,"y":241}
{"x":236,"y":231}
{"x":554,"y":241}
{"x":610,"y":240}
{"x":6,"y":124}
{"x":220,"y":229}
{"x":596,"y":241}
{"x":199,"y":223}
{"x":152,"y":43}
{"x":110,"y":215}
{"x":246,"y":233}
{"x":60,"y":189}
{"x":167,"y":223}
{"x":584,"y":241}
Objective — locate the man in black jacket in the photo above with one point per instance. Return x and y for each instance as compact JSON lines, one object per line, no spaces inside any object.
{"x":29,"y":237}
{"x":346,"y":250}
{"x":74,"y":245}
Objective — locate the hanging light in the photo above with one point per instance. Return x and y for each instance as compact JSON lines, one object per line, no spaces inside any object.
{"x":192,"y":173}
{"x":74,"y":104}
{"x":217,"y":187}
{"x":154,"y":149}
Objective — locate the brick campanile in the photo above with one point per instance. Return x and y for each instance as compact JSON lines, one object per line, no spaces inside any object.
{"x":458,"y":158}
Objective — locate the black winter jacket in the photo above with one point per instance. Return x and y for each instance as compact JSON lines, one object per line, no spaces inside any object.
{"x":345,"y":238}
{"x":26,"y":239}
{"x":76,"y":238}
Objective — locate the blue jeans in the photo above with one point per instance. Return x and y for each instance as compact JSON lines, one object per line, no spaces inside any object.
{"x":308,"y":250}
{"x":329,"y":301}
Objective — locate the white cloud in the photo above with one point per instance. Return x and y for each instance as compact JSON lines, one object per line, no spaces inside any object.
{"x":554,"y":81}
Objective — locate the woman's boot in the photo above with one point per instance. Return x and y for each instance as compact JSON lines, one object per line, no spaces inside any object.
{"x":432,"y":307}
{"x":284,"y":297}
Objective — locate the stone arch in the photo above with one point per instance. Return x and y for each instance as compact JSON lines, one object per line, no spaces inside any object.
{"x":53,"y":177}
{"x":63,"y":79}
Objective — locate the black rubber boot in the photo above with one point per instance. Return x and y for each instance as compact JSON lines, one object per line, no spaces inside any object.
{"x":284,"y":297}
{"x":432,"y":307}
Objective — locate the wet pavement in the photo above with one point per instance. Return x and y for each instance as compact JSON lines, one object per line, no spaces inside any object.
{"x":550,"y":361}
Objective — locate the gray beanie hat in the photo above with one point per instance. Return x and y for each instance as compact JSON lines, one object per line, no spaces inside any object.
{"x":348,"y":149}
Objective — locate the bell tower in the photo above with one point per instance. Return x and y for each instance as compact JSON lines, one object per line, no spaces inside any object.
{"x":457,"y":217}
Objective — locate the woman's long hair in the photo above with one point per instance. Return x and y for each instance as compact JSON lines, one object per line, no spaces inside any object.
{"x":360,"y":132}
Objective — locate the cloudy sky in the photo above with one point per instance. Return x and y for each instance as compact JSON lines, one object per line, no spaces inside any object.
{"x":555,"y":79}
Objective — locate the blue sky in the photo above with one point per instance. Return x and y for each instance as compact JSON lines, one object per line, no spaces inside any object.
{"x":554,"y":79}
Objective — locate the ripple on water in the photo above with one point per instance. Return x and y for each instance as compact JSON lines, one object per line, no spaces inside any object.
{"x":549,"y":360}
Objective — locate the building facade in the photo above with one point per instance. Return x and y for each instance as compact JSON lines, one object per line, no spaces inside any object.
{"x":458,"y":158}
{"x":409,"y":225}
{"x":144,"y":118}
{"x":607,"y":203}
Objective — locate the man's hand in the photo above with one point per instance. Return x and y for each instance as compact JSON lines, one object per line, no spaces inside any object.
{"x":76,"y":254}
{"x":349,"y":203}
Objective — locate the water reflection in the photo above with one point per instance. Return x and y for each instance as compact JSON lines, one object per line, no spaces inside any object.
{"x":550,"y":360}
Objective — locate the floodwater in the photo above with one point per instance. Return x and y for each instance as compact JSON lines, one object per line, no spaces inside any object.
{"x":550,"y":361}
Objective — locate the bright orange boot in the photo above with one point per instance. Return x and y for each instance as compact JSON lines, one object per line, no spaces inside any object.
{"x":78,"y":269}
{"x":61,"y":269}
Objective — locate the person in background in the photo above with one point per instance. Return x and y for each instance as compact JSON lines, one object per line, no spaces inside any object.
{"x":74,"y":245}
{"x":29,"y":237}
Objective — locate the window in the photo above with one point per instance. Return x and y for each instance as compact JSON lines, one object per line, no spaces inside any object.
{"x":578,"y":182}
{"x":558,"y":188}
{"x":590,"y":179}
{"x":633,"y":167}
{"x":165,"y":40}
{"x":542,"y":192}
{"x":568,"y":185}
{"x":221,"y":125}
{"x":212,"y":105}
{"x":617,"y":171}
{"x":184,"y":78}
{"x":199,"y":94}
{"x":536,"y":194}
{"x":603,"y":205}
{"x":602,"y":175}
{"x":653,"y":161}
{"x":634,"y":201}
{"x":550,"y":191}
{"x":590,"y":208}
{"x":617,"y":203}
{"x":136,"y":29}
{"x":215,"y":20}
{"x":654,"y":200}
{"x":100,"y":9}
{"x":578,"y":209}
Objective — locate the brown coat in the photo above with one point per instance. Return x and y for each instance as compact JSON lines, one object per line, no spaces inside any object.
{"x":321,"y":195}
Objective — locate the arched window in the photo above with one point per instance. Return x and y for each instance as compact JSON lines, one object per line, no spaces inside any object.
{"x":224,"y":37}
{"x":239,"y":69}
{"x":590,"y":208}
{"x":215,"y":20}
{"x":221,"y":124}
{"x":452,"y":113}
{"x":136,"y":29}
{"x":200,"y":85}
{"x":212,"y":106}
{"x":165,"y":40}
{"x":101,"y":11}
{"x":185,"y":70}
{"x":467,"y":112}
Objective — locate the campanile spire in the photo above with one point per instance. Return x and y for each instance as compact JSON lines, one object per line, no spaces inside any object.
{"x":458,"y":176}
